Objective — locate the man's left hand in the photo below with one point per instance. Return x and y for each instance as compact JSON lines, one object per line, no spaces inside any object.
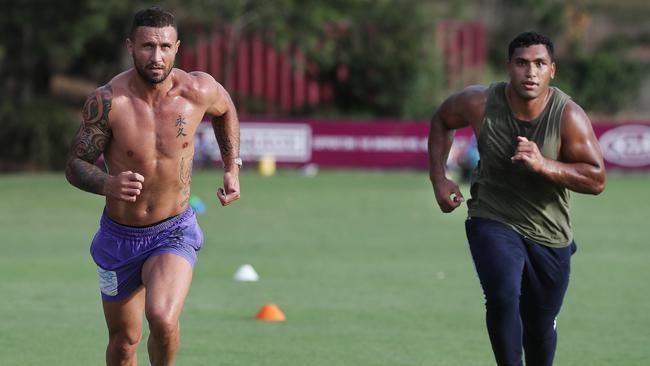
{"x":230,"y":191}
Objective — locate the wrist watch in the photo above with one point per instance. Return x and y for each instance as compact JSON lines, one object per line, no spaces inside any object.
{"x":237,"y":162}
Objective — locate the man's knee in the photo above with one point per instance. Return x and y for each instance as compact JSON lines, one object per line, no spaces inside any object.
{"x":124,"y":345}
{"x":504,"y":296}
{"x":162,"y":323}
{"x":540,"y":327}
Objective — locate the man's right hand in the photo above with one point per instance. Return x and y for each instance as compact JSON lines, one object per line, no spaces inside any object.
{"x":447,"y":194}
{"x":125,"y":186}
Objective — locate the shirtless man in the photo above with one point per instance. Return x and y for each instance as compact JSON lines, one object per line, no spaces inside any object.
{"x":143,"y":122}
{"x":535,"y":146}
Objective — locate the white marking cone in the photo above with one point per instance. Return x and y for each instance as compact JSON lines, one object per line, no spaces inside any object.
{"x":246,"y":273}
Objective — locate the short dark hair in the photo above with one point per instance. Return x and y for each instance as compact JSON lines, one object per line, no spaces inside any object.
{"x":152,"y":17}
{"x":528,"y":39}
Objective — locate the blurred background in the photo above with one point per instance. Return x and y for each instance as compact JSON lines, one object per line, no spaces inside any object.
{"x":347,"y":61}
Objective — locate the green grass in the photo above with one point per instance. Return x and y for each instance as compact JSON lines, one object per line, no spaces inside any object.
{"x":364,"y":266}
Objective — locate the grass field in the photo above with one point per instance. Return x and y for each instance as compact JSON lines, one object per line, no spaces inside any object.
{"x":364,"y":266}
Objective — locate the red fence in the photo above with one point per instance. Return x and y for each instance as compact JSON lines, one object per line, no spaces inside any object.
{"x":463,"y":46}
{"x":253,"y":71}
{"x":250,"y":68}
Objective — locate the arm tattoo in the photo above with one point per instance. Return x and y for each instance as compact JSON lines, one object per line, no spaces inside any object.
{"x":224,"y":139}
{"x":90,"y":142}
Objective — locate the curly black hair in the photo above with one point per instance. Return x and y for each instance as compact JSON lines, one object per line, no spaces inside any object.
{"x":527,"y":39}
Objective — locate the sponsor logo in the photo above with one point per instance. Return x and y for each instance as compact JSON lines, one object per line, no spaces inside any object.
{"x":285,"y":142}
{"x":627,"y":146}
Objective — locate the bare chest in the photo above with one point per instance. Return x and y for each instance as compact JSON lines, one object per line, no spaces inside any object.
{"x":141,"y":131}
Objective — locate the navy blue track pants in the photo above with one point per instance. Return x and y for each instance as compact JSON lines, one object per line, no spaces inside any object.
{"x":524,"y":284}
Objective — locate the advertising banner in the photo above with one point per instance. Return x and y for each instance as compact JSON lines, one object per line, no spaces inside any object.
{"x":389,"y":144}
{"x":625,"y":146}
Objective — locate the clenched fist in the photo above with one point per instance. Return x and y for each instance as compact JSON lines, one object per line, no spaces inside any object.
{"x":125,"y":186}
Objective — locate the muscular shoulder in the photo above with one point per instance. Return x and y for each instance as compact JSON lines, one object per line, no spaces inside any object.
{"x":199,"y":86}
{"x":119,"y":88}
{"x":210,"y":93}
{"x":203,"y":80}
{"x":465,"y":107}
{"x":472,"y":98}
{"x":572,"y":111}
{"x":574,"y":120}
{"x":98,"y":106}
{"x":119,"y":84}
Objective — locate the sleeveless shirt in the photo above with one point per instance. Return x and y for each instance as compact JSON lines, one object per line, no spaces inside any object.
{"x":508,"y":192}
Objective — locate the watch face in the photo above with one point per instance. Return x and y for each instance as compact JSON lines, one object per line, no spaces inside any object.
{"x":236,"y":161}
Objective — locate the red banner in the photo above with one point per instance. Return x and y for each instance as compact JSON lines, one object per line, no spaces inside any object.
{"x":389,"y":144}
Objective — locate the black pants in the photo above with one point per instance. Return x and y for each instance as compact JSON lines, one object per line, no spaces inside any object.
{"x":524,"y":284}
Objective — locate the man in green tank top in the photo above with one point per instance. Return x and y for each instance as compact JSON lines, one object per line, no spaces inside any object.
{"x":535,"y":146}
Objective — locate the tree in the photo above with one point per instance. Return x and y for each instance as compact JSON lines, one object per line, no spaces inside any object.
{"x":37,"y":39}
{"x":600,"y":74}
{"x":373,"y":51}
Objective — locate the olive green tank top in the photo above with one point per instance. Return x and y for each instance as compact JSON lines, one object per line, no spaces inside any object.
{"x":501,"y":190}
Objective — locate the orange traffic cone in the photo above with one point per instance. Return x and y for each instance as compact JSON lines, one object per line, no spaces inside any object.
{"x":271,"y":313}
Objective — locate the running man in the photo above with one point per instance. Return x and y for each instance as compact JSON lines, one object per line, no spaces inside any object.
{"x":143,"y":122}
{"x":535,"y":146}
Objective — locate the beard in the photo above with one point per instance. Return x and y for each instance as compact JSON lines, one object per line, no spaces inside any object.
{"x":146,"y":74}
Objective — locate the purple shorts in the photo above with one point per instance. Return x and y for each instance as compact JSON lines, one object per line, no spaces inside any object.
{"x":120,"y":251}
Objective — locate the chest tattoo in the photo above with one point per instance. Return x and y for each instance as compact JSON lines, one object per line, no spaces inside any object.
{"x":180,"y":125}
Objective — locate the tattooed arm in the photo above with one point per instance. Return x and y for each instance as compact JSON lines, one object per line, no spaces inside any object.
{"x":226,"y":129}
{"x":89,"y":143}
